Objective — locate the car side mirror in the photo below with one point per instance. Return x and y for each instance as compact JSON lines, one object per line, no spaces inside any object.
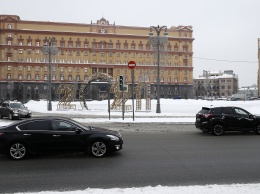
{"x":77,"y":130}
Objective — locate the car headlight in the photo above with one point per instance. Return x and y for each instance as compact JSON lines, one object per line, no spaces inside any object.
{"x":113,"y":137}
{"x":16,"y":111}
{"x":119,"y":134}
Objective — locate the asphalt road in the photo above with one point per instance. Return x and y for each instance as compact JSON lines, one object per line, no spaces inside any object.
{"x":183,"y":156}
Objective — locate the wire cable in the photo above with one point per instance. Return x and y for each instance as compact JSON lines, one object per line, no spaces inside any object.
{"x":224,"y":60}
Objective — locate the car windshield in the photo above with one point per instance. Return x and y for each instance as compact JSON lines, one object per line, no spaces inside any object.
{"x":204,"y":110}
{"x":16,"y":105}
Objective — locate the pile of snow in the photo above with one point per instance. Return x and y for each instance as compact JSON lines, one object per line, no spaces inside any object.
{"x":212,"y":189}
{"x":169,"y":107}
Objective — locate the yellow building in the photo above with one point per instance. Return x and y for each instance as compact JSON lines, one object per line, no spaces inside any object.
{"x":84,"y":49}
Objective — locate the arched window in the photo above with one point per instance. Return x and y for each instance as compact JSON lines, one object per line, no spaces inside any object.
{"x":28,"y":76}
{"x":61,"y":77}
{"x":175,"y":80}
{"x":45,"y":76}
{"x":9,"y":26}
{"x":8,"y":76}
{"x":140,"y":78}
{"x":37,"y":76}
{"x":185,"y":79}
{"x":20,"y":76}
{"x":78,"y":77}
{"x":162,"y":79}
{"x":154,"y":79}
{"x":85,"y":77}
{"x":53,"y":77}
{"x":70,"y":77}
{"x":169,"y":79}
{"x":147,"y":79}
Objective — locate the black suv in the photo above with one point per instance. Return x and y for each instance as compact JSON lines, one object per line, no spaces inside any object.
{"x":14,"y":109}
{"x":217,"y":120}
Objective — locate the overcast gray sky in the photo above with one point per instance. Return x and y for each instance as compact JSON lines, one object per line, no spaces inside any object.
{"x":225,"y":31}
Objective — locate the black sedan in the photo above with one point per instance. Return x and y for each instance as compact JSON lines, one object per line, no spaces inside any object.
{"x":45,"y":134}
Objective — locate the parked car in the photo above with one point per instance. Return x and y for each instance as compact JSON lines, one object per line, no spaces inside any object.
{"x":45,"y":134}
{"x":14,"y":109}
{"x":176,"y":97}
{"x":235,"y":99}
{"x":217,"y":120}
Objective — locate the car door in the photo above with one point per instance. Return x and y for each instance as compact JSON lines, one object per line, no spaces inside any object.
{"x":67,"y":136}
{"x":37,"y":134}
{"x":229,"y":118}
{"x":243,"y":119}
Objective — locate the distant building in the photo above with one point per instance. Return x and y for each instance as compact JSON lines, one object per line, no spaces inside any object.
{"x":258,"y":78}
{"x":86,"y":49}
{"x":247,"y":92}
{"x":215,"y":84}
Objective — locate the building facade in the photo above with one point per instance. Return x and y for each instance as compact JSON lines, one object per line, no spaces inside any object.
{"x":258,"y":74}
{"x":85,"y":49}
{"x":215,"y":84}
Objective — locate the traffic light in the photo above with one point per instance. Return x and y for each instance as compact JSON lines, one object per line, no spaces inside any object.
{"x":121,"y":83}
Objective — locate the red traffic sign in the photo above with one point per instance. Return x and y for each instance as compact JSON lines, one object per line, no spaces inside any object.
{"x":131,"y":64}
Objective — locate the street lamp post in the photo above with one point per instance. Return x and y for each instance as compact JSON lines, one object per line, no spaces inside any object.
{"x":50,"y":49}
{"x":158,"y":41}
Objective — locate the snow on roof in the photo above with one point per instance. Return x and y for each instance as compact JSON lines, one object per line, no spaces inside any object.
{"x":219,"y":76}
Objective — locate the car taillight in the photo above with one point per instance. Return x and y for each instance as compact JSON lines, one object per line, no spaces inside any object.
{"x":208,"y":116}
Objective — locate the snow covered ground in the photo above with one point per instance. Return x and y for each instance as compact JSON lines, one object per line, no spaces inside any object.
{"x":207,"y":189}
{"x":171,"y":111}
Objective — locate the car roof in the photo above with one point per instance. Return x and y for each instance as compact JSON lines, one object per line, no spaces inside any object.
{"x":41,"y":118}
{"x":208,"y":108}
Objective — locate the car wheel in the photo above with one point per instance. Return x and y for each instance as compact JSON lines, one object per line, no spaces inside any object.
{"x":17,"y":151}
{"x":98,"y":148}
{"x":218,"y":129}
{"x":11,"y":116}
{"x":257,"y":129}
